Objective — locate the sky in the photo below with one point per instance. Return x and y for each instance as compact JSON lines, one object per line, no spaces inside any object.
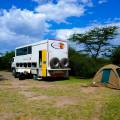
{"x":27,"y":21}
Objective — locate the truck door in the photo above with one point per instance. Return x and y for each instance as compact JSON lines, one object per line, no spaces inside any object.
{"x":44,"y":63}
{"x":40,"y":59}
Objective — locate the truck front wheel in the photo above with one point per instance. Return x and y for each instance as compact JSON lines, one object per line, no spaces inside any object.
{"x":14,"y":72}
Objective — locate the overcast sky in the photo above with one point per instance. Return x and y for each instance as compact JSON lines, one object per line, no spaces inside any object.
{"x":27,"y":21}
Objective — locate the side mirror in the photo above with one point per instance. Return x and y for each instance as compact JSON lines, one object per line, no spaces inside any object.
{"x":11,"y":60}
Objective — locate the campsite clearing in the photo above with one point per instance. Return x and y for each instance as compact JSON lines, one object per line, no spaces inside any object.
{"x":57,"y":100}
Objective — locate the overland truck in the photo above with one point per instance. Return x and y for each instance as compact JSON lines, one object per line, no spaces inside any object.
{"x":46,"y":58}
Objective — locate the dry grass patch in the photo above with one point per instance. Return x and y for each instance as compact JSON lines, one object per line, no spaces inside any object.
{"x":58,"y":100}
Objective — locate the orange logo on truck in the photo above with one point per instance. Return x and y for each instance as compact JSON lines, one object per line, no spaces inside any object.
{"x":58,"y":45}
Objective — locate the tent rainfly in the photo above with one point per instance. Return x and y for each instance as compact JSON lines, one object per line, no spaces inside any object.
{"x":109,"y":76}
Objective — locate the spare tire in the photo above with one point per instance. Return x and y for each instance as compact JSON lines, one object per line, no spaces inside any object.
{"x":54,"y":63}
{"x":64,"y":63}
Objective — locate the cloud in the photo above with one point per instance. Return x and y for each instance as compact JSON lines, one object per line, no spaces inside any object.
{"x":66,"y":33}
{"x":87,"y":2}
{"x":62,"y":10}
{"x":41,"y":1}
{"x":23,"y":22}
{"x":102,"y":1}
{"x":20,"y":26}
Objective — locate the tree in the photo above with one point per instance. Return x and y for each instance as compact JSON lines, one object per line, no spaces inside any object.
{"x":96,"y":41}
{"x":5,"y":60}
{"x":115,"y":57}
{"x":83,"y":65}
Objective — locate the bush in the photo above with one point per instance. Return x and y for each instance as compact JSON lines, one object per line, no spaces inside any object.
{"x":115,"y":57}
{"x":5,"y":61}
{"x":83,"y":65}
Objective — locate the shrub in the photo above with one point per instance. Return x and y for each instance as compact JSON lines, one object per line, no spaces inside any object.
{"x":83,"y":65}
{"x":5,"y":61}
{"x":115,"y":57}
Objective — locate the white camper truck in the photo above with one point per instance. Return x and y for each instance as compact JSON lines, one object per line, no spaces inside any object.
{"x":47,"y":58}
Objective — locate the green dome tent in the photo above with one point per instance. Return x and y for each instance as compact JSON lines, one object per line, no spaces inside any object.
{"x":109,"y":76}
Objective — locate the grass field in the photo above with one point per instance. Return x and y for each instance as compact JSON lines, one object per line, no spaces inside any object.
{"x":58,"y":100}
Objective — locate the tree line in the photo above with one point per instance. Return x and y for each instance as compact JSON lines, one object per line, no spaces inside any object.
{"x":97,"y":50}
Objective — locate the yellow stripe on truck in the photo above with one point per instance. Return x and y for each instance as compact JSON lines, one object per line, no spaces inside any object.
{"x":44,"y":66}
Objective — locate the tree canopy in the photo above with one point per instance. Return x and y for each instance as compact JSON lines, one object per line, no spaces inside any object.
{"x":96,"y":41}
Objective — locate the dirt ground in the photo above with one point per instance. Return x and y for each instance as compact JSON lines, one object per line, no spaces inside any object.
{"x":23,"y":87}
{"x":57,"y":101}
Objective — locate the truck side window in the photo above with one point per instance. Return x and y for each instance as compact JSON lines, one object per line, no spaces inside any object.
{"x":29,"y":49}
{"x":17,"y":64}
{"x":29,"y":64}
{"x":20,"y":64}
{"x":34,"y":65}
{"x":25,"y":64}
{"x":24,"y":52}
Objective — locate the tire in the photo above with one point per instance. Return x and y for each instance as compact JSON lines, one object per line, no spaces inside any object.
{"x":54,"y":63}
{"x":14,"y":72}
{"x":64,"y":63}
{"x":21,"y":76}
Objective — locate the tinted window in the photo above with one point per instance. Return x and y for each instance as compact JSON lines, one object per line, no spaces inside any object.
{"x":29,"y":49}
{"x":21,"y":64}
{"x":25,"y":64}
{"x":17,"y":64}
{"x":29,"y":64}
{"x":34,"y":64}
{"x":24,"y":51}
{"x":21,"y":51}
{"x":18,"y":52}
